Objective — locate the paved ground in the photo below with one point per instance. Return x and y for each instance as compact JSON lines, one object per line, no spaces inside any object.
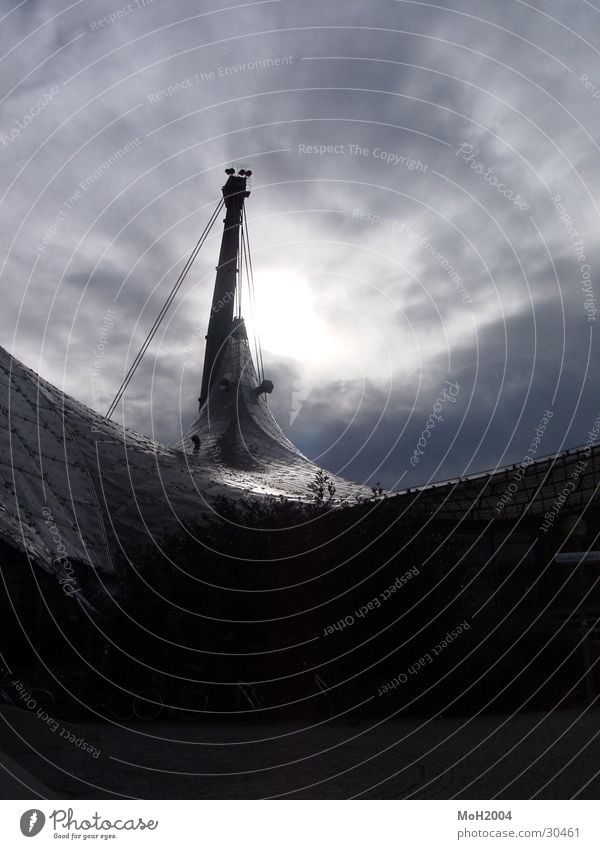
{"x":545,"y":755}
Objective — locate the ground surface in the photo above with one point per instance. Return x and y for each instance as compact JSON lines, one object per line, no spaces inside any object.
{"x":532,"y":755}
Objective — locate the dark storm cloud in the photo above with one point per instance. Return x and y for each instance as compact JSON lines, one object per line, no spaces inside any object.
{"x":408,"y":162}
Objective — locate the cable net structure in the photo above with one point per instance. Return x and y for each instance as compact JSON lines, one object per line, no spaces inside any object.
{"x":74,"y":481}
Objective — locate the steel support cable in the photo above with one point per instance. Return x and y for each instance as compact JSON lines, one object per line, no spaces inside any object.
{"x":163,"y":311}
{"x":239,"y":287}
{"x":255,"y":318}
{"x":250,"y":275}
{"x":251,"y":300}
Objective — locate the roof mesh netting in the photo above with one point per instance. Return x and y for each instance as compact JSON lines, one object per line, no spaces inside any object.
{"x":509,"y":493}
{"x":103,"y":491}
{"x":67,"y":473}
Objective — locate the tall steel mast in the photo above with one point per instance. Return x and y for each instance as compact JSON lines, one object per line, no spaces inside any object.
{"x":221,"y":314}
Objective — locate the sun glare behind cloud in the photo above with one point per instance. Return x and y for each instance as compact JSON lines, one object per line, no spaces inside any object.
{"x":287,"y":316}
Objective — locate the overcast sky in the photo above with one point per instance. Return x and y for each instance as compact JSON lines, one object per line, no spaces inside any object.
{"x":423,"y":215}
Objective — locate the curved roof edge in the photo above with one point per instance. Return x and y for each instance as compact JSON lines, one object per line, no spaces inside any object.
{"x":559,"y":483}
